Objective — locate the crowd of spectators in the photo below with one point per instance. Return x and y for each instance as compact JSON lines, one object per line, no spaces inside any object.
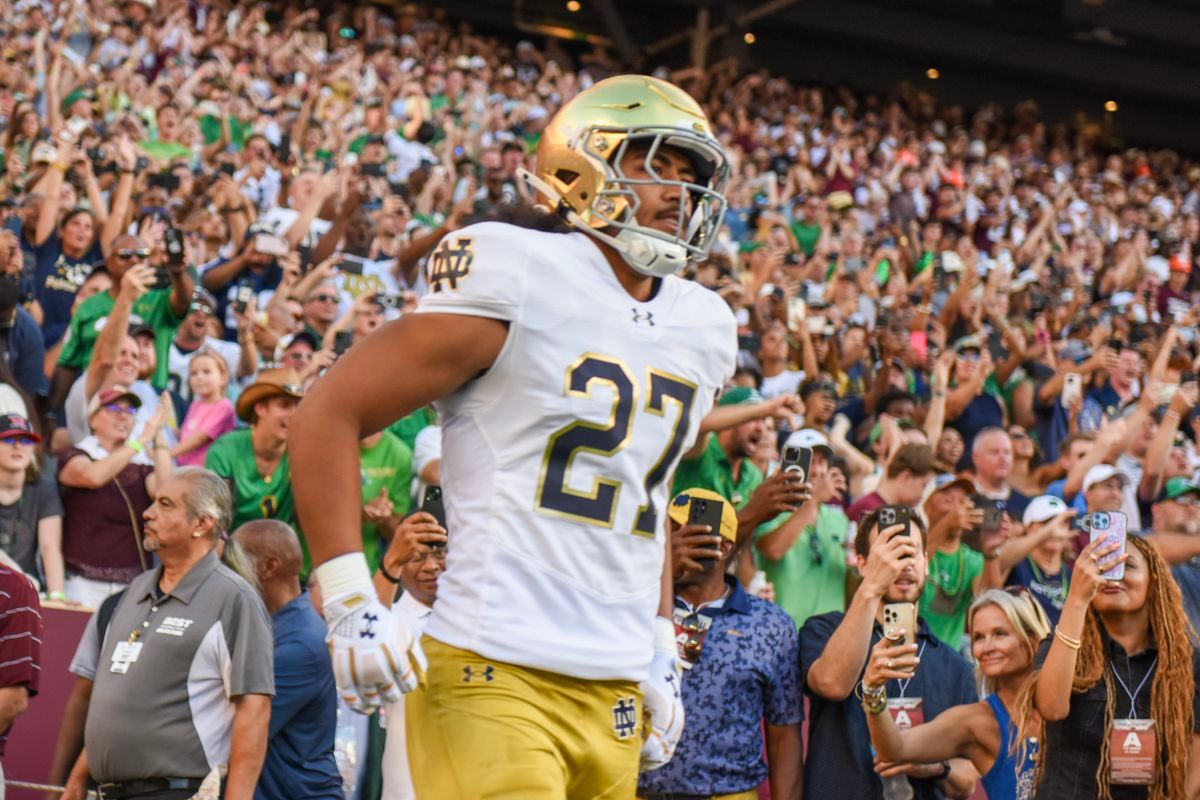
{"x":977,"y":315}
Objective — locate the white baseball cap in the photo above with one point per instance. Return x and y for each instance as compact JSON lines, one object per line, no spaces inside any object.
{"x":808,"y":438}
{"x":1101,"y":473}
{"x":1043,"y":509}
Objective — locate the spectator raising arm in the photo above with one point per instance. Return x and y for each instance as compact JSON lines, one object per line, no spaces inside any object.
{"x":834,"y":674}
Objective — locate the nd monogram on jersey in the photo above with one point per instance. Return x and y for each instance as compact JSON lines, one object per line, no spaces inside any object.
{"x":555,"y":462}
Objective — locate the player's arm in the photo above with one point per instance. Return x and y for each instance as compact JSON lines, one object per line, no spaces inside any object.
{"x":402,"y":367}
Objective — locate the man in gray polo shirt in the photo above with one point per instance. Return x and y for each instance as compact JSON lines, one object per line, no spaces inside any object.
{"x":185,"y":673}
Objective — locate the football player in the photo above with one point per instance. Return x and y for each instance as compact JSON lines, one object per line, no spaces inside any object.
{"x":571,"y":369}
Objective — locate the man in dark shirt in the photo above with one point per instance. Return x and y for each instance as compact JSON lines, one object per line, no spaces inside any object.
{"x":833,"y":655}
{"x":992,"y":465}
{"x":299,"y":760}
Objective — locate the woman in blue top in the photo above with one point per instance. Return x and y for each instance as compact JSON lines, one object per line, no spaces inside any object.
{"x":1005,"y":632}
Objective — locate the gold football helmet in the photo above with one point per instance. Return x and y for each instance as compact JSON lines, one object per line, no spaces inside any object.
{"x":578,"y":169}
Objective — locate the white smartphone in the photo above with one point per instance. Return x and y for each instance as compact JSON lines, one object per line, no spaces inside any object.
{"x":797,"y":309}
{"x":1072,"y":388}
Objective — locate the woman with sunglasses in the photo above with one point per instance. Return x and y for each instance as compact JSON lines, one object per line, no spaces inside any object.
{"x":107,"y":483}
{"x":1118,"y":680}
{"x":1005,"y":632}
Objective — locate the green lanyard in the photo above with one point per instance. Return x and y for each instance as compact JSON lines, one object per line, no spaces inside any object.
{"x":943,"y":579}
{"x":1040,"y":578}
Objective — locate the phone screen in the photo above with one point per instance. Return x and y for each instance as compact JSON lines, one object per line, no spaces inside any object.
{"x":919,"y":341}
{"x":1110,"y":526}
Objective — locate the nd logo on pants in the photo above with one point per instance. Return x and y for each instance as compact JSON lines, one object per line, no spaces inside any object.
{"x":484,"y":729}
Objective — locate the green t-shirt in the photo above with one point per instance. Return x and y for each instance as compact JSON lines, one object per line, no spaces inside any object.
{"x":804,"y":586}
{"x":806,"y":236}
{"x":152,"y":308}
{"x":407,"y":428}
{"x":713,"y":471}
{"x":164,"y":151}
{"x":947,"y":595}
{"x":255,"y":496}
{"x":386,"y":465}
{"x":210,"y":129}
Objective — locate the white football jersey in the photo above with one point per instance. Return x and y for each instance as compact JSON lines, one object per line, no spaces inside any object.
{"x":555,"y":462}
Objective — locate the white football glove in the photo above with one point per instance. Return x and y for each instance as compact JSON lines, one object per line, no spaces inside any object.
{"x":663,"y":698}
{"x":371,"y":653}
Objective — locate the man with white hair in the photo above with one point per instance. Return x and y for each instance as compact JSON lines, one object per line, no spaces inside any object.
{"x":191,"y":649}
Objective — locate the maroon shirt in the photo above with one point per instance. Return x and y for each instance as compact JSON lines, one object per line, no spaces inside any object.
{"x":865,"y":505}
{"x":99,"y":541}
{"x":20,"y":636}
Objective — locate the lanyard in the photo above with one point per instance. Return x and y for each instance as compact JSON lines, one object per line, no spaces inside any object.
{"x":904,"y":683}
{"x":1134,"y":694}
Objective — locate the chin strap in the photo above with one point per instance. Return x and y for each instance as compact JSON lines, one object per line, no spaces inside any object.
{"x":648,"y":255}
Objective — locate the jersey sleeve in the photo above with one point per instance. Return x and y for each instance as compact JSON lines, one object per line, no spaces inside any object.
{"x":72,"y":353}
{"x":477,"y":271}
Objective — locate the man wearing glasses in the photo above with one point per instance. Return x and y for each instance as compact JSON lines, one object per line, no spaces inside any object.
{"x":195,"y":334}
{"x":321,"y":308}
{"x":161,"y":309}
{"x":741,"y":656}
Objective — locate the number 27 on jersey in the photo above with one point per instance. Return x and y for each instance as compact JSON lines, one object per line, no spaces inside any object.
{"x":599,"y":505}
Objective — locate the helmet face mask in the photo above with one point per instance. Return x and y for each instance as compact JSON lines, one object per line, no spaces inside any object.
{"x":580,"y":171}
{"x":701,"y":203}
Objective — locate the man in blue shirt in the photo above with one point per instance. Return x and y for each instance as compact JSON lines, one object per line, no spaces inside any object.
{"x":833,"y":654}
{"x":299,"y":760}
{"x":740,"y":655}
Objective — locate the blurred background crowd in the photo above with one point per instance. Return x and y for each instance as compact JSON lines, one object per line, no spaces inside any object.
{"x":969,"y":311}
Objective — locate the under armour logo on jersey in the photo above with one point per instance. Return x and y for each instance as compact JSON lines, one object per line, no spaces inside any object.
{"x":625,"y":718}
{"x":367,"y":632}
{"x":471,"y":673}
{"x":643,"y":318}
{"x":450,"y":263}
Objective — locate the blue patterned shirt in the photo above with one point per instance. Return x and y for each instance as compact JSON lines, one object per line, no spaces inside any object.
{"x":748,"y":672}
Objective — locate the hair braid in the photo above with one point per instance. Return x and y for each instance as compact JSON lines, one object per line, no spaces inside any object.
{"x":1174,"y":683}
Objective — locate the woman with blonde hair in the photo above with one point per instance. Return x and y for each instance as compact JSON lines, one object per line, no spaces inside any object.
{"x":1119,"y":669}
{"x":1006,"y":629}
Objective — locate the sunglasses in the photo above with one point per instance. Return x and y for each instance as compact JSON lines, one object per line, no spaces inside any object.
{"x":814,"y":549}
{"x":127,"y":253}
{"x":323,"y":298}
{"x":23,"y":441}
{"x":1018,"y":435}
{"x":203,"y":309}
{"x":119,"y":409}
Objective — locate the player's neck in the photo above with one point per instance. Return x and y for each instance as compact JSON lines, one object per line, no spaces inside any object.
{"x":638,"y":286}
